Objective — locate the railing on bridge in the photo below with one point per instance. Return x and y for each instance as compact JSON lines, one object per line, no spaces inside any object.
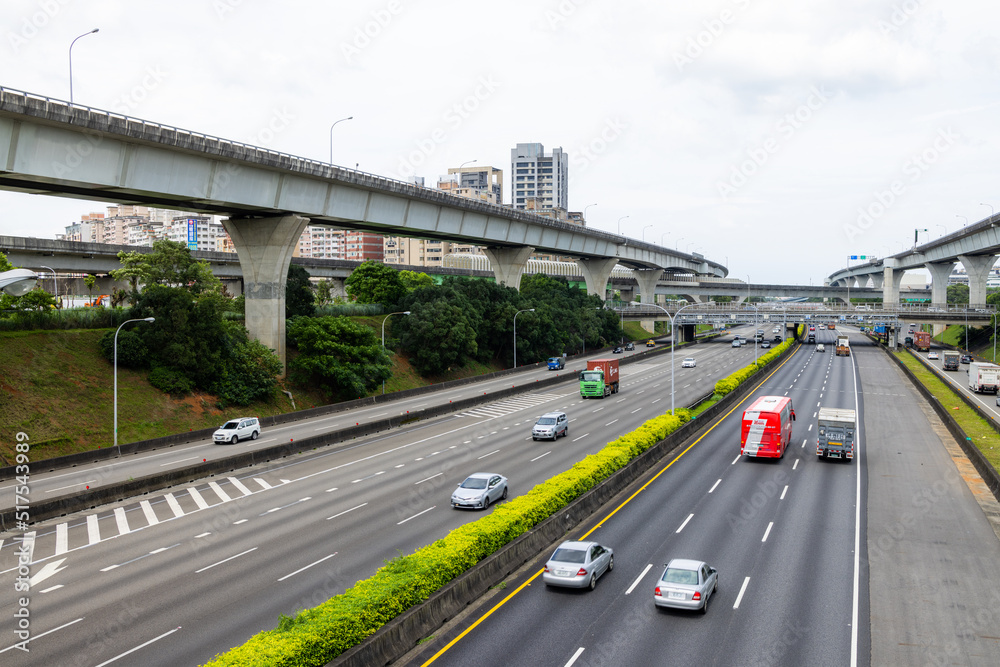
{"x":774,"y":312}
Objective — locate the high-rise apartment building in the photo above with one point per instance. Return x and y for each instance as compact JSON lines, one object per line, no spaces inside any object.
{"x":359,"y":246}
{"x":321,"y":242}
{"x":537,"y":175}
{"x":196,"y":232}
{"x":485,"y":183}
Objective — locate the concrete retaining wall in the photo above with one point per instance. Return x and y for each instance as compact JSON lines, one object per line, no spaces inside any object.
{"x":401,"y":634}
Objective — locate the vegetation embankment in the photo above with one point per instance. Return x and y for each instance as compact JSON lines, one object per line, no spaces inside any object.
{"x":980,"y":432}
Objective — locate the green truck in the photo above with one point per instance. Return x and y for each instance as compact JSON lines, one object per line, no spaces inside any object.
{"x":599,"y":379}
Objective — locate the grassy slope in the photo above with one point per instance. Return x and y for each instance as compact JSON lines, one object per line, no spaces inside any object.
{"x":56,"y":388}
{"x":982,"y":434}
{"x":982,"y":345}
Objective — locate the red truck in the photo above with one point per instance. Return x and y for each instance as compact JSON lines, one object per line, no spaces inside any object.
{"x":600,"y":378}
{"x":922,"y":340}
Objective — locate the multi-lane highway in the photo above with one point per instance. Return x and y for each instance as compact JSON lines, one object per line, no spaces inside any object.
{"x":877,"y":561}
{"x":182,"y":574}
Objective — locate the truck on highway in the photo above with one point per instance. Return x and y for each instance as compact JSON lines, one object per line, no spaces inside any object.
{"x":922,"y":340}
{"x":766,"y":429}
{"x":600,"y":378}
{"x":835,"y":435}
{"x":951,"y":360}
{"x":843,"y":346}
{"x":984,"y":377}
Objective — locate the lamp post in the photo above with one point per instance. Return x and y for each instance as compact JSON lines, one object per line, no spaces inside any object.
{"x":18,"y":282}
{"x":678,"y":245}
{"x":55,"y":280}
{"x":963,"y":218}
{"x":331,"y":137}
{"x":991,"y":209}
{"x":748,"y":288}
{"x":945,"y":232}
{"x":71,"y":62}
{"x":620,"y":224}
{"x":585,"y":211}
{"x":527,"y":310}
{"x":144,"y":319}
{"x":402,"y":312}
{"x":459,"y":172}
{"x":673,"y":338}
{"x":662,"y":235}
{"x":644,"y":232}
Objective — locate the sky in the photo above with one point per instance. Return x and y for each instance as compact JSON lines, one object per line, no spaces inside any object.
{"x":774,"y":136}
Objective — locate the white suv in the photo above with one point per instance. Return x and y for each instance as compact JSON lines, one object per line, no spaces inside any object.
{"x":235,"y":430}
{"x":550,"y":425}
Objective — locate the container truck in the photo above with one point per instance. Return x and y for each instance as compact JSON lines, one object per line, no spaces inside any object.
{"x":922,"y":340}
{"x":951,"y":360}
{"x":835,"y":434}
{"x":843,"y":346}
{"x":984,"y":377}
{"x":600,"y":378}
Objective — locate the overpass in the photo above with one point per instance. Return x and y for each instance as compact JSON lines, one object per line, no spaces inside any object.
{"x":975,"y":246}
{"x":50,"y":147}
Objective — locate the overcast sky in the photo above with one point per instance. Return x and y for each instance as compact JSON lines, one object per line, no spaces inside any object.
{"x":776,"y":136}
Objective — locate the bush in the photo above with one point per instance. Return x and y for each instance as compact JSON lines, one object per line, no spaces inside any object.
{"x":171,"y":381}
{"x":132,"y":352}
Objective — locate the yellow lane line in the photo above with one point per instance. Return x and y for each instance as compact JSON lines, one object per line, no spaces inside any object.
{"x":497,"y":606}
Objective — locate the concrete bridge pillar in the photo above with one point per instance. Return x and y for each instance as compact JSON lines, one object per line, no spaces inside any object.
{"x":877,"y":280}
{"x":939,"y":281}
{"x":891,"y":279}
{"x":265,"y":246}
{"x":647,"y":279}
{"x":978,"y":269}
{"x":596,"y":273}
{"x":509,"y":263}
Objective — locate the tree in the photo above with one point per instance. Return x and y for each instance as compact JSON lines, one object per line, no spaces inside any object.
{"x":324,"y":292}
{"x":36,"y":299}
{"x":343,"y":358}
{"x":412,"y":280}
{"x":374,"y":282}
{"x":958,"y":293}
{"x":90,"y":280}
{"x":135,"y":267}
{"x":298,"y":293}
{"x":171,"y":264}
{"x":5,"y":264}
{"x":438,"y":334}
{"x":250,"y":372}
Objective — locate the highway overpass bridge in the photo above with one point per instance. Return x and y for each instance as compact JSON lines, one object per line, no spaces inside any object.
{"x":50,"y":147}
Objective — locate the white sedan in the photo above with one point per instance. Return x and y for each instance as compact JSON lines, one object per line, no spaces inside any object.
{"x":688,"y":363}
{"x":932,"y":355}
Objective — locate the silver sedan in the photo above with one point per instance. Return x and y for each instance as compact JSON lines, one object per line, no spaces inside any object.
{"x":686,"y":584}
{"x":578,"y":564}
{"x":479,"y":490}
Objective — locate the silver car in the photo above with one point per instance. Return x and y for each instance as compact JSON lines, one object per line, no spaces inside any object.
{"x":551,"y":425}
{"x":689,"y":363}
{"x":686,"y":584}
{"x":578,"y":564}
{"x":479,"y":490}
{"x":235,"y":430}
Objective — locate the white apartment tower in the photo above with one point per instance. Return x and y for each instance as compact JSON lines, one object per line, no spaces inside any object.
{"x":544,"y":178}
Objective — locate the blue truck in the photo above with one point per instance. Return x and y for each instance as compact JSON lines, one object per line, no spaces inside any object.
{"x":556,"y":363}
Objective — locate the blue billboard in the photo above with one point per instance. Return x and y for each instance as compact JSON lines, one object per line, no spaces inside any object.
{"x":192,"y":234}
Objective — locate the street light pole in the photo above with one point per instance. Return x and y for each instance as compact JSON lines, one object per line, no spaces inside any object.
{"x":678,"y":246}
{"x":963,"y":218}
{"x":55,"y":280}
{"x":402,"y":312}
{"x":620,"y":224}
{"x":331,"y":136}
{"x":644,"y":232}
{"x":527,"y":310}
{"x":71,"y":62}
{"x":991,"y":209}
{"x":144,"y":319}
{"x":585,"y":211}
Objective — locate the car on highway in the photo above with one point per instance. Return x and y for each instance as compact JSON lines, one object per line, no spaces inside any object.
{"x":736,"y":342}
{"x":479,"y":490}
{"x":578,"y":564}
{"x":551,"y":425}
{"x":235,"y":430}
{"x":686,"y":584}
{"x":617,"y":350}
{"x":932,"y":355}
{"x":966,"y":358}
{"x":820,"y":348}
{"x":629,"y":346}
{"x":765,"y":343}
{"x":689,"y":362}
{"x":650,"y":343}
{"x":556,"y":363}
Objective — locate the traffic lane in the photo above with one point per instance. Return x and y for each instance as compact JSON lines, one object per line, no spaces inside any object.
{"x":959,"y":380}
{"x":931,"y":552}
{"x":694,"y":481}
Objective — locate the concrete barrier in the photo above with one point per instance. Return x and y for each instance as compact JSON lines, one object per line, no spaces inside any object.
{"x":400,"y":635}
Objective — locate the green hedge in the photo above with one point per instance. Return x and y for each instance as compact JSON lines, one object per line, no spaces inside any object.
{"x":734,"y":380}
{"x":318,"y":635}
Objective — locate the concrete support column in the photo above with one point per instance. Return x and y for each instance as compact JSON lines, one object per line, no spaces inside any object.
{"x":877,"y":280}
{"x":890,"y":288}
{"x":939,"y":281}
{"x":596,"y":273}
{"x":978,"y":269}
{"x":685,"y":333}
{"x":265,"y":246}
{"x":508,"y":263}
{"x":647,"y":279}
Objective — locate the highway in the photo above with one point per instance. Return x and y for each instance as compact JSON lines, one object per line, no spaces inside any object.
{"x":783,"y":535}
{"x":185,"y":573}
{"x":887,"y":560}
{"x":959,"y":380}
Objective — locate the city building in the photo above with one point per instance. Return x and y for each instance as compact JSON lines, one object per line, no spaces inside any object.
{"x":359,"y":246}
{"x":484,"y":183}
{"x":197,"y":232}
{"x":321,"y":242}
{"x":545,"y":178}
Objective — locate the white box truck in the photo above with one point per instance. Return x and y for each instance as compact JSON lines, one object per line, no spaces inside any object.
{"x":984,"y":377}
